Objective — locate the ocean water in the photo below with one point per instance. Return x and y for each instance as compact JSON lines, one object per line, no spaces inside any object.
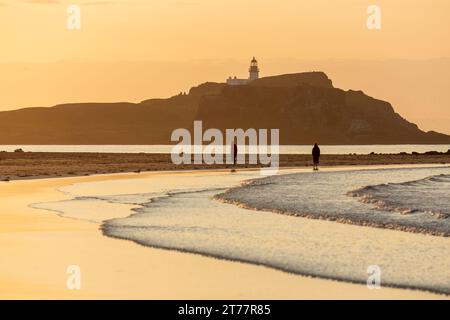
{"x":415,"y":200}
{"x":188,"y":214}
{"x":292,"y":149}
{"x":430,"y":195}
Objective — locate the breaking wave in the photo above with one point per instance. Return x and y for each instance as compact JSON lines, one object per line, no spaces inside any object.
{"x":412,"y":201}
{"x":430,"y":195}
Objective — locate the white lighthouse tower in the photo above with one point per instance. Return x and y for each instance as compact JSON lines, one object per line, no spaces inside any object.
{"x":253,"y":75}
{"x":254,"y":70}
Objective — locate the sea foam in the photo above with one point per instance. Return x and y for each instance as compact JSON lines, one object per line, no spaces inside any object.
{"x":401,"y":199}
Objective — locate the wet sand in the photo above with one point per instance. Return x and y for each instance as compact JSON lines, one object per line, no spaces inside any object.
{"x":37,"y":247}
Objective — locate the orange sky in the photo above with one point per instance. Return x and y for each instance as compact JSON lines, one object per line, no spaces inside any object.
{"x":219,"y":32}
{"x":35,"y":30}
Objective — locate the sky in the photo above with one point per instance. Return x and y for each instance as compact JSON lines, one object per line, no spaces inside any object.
{"x":35,"y":30}
{"x":210,"y":39}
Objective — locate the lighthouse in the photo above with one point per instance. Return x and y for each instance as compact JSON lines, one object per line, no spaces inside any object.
{"x":254,"y":70}
{"x":253,"y":75}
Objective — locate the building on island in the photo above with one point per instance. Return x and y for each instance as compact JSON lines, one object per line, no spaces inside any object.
{"x":253,"y":75}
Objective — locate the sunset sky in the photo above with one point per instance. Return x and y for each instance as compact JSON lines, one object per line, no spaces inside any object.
{"x":223,"y":29}
{"x":221,"y":34}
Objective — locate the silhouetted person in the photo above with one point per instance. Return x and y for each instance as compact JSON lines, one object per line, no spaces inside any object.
{"x":316,"y":156}
{"x":235,"y":152}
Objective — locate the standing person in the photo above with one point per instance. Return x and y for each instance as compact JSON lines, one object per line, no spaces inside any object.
{"x":235,"y":152}
{"x":316,"y":156}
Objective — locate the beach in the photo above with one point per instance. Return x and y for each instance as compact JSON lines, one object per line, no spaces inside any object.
{"x":38,"y":246}
{"x":32,"y":165}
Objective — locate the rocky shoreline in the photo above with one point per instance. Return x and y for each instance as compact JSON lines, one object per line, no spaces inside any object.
{"x":35,"y":165}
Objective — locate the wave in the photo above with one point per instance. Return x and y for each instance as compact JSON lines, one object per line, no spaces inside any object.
{"x":430,"y":195}
{"x":412,"y":202}
{"x":192,"y":222}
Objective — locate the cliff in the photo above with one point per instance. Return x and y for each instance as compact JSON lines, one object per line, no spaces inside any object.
{"x":305,"y":107}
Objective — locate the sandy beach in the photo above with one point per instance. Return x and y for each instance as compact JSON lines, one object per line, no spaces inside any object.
{"x":32,"y":165}
{"x":37,"y":247}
